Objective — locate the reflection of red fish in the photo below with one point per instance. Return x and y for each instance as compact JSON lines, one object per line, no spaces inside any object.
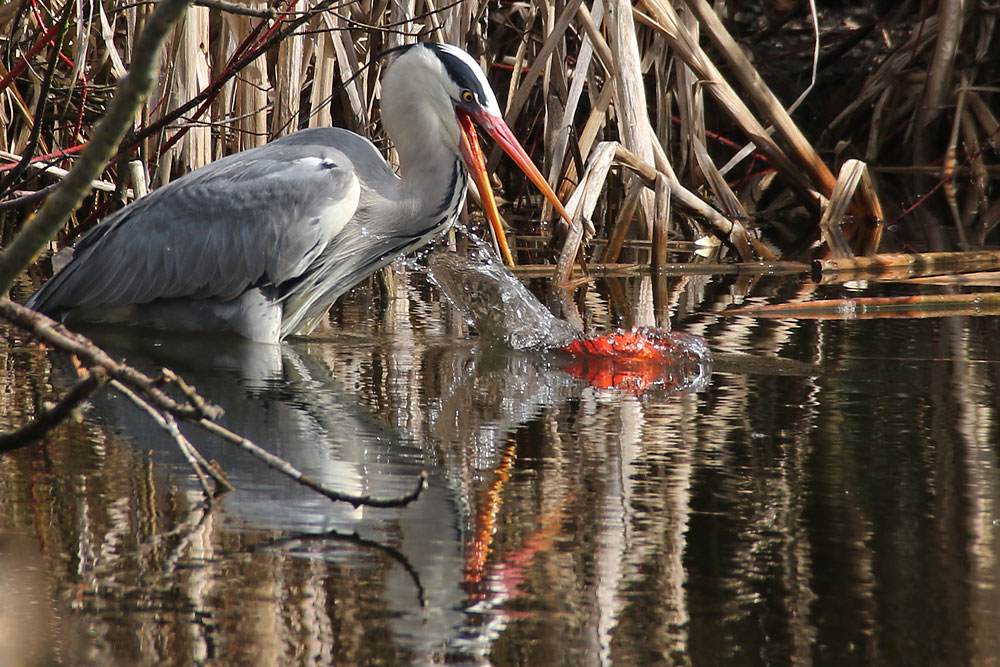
{"x":637,"y":359}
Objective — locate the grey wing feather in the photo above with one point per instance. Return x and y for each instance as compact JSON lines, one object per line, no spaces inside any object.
{"x":255,"y":218}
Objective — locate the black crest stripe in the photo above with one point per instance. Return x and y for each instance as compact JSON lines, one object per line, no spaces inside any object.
{"x":458,"y":71}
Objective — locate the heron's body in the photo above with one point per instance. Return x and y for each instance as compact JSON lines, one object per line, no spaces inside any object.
{"x":259,"y":266}
{"x":264,"y":241}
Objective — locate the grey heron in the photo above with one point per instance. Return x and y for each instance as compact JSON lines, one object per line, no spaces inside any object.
{"x":262,"y":242}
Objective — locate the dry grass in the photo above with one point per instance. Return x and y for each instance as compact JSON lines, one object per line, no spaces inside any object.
{"x":612,"y":99}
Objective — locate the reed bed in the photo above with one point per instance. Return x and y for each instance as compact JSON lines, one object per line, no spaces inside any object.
{"x":664,"y":121}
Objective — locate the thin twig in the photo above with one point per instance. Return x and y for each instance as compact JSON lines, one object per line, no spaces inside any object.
{"x":291,"y":471}
{"x":236,"y":8}
{"x":168,"y":424}
{"x":190,"y":393}
{"x":55,"y":334}
{"x":133,"y":89}
{"x":27,"y":199}
{"x":50,"y":417}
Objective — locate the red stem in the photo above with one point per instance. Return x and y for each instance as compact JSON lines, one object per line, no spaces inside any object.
{"x":77,"y":128}
{"x":48,"y":156}
{"x":16,"y":70}
{"x":251,"y":41}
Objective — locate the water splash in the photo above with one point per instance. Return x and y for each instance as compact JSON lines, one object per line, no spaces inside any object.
{"x":494,"y":301}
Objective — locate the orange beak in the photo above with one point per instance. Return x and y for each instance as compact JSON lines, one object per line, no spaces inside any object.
{"x":473,"y":156}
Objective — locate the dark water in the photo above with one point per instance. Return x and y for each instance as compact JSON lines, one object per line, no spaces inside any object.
{"x":830,"y":498}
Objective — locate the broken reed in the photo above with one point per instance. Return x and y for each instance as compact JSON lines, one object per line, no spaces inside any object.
{"x":638,"y":113}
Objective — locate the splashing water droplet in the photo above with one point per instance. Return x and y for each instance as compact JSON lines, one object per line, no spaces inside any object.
{"x":501,"y":308}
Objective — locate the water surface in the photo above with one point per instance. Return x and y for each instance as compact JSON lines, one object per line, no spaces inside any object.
{"x":829,"y":498}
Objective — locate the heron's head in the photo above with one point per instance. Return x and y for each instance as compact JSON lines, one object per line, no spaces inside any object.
{"x":447,"y":89}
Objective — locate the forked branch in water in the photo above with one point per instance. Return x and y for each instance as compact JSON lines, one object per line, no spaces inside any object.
{"x":149,"y":394}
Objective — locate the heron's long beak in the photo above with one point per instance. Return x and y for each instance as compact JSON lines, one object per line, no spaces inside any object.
{"x":473,"y":156}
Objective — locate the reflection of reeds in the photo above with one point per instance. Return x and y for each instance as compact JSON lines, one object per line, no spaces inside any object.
{"x":667,"y":82}
{"x":702,"y":526}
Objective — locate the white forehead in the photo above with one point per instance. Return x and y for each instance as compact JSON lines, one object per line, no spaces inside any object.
{"x":489,"y":98}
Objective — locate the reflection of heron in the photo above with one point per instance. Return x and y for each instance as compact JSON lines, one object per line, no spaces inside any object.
{"x":264,"y":241}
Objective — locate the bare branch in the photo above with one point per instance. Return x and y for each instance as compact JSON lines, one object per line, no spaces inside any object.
{"x":165,"y":409}
{"x":132,"y":90}
{"x":50,"y":417}
{"x":286,"y":468}
{"x":55,"y":334}
{"x":169,"y":424}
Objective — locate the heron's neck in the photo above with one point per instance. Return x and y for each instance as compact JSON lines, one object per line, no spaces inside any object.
{"x":430,"y":169}
{"x":420,"y":119}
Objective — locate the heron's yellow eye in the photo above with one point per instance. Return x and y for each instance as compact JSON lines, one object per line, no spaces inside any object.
{"x":468,"y":97}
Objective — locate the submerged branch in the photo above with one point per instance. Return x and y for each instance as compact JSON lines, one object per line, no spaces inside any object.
{"x":146,"y":392}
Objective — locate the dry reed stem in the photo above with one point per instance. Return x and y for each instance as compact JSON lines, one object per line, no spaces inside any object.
{"x":889,"y":75}
{"x":690,"y":107}
{"x":985,"y":116}
{"x":764,"y":100}
{"x":949,"y":167}
{"x":728,"y":201}
{"x":563,"y":129}
{"x":731,"y":229}
{"x":616,"y":238}
{"x":542,"y":58}
{"x":978,"y":201}
{"x":951,"y":19}
{"x":581,"y":205}
{"x":591,"y":129}
{"x":634,"y":128}
{"x":97,"y":184}
{"x":695,"y":57}
{"x":575,"y":72}
{"x":833,"y":216}
{"x":661,"y":223}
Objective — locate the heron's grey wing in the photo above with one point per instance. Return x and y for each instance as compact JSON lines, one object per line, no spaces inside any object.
{"x":384,"y":227}
{"x":253,"y":219}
